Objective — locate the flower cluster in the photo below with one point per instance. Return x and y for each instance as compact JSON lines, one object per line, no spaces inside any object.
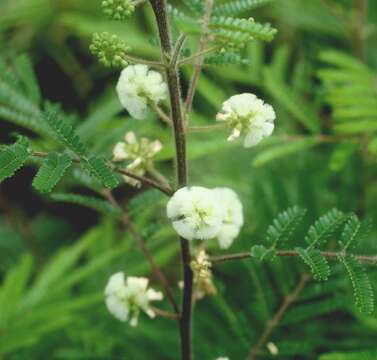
{"x":126,"y":297}
{"x":118,"y":9}
{"x":201,"y":267}
{"x":139,"y":152}
{"x":200,"y":213}
{"x":109,"y":49}
{"x":248,"y":116}
{"x":138,"y":87}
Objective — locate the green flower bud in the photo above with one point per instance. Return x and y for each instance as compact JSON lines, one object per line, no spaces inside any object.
{"x":109,"y":49}
{"x":118,"y":9}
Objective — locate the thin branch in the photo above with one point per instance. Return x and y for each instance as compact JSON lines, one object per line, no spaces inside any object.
{"x":205,"y":128}
{"x":177,"y":50}
{"x":362,"y":8}
{"x":199,"y":61}
{"x":371,"y":260}
{"x":163,"y":116}
{"x":151,"y":63}
{"x":162,"y":187}
{"x":274,"y":322}
{"x":165,"y":314}
{"x":188,"y":59}
{"x":160,"y":276}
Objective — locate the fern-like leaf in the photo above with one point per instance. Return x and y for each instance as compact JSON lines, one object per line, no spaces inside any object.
{"x":226,"y":58}
{"x":362,"y":288}
{"x":13,"y":157}
{"x":285,"y":224}
{"x":354,"y":231}
{"x":249,"y":27}
{"x":91,"y":202}
{"x":98,"y":168}
{"x":318,"y":264}
{"x":324,"y":227}
{"x":236,"y":7}
{"x":51,"y":171}
{"x":64,"y":132}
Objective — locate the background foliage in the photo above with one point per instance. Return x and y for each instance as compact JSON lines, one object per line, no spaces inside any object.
{"x":55,"y":257}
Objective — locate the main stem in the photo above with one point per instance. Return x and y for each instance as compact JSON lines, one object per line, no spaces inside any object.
{"x":172,"y":76}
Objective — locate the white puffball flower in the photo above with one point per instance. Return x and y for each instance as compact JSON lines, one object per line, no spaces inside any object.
{"x":126,"y":297}
{"x":195,"y":213}
{"x":233,"y":219}
{"x":249,"y":116}
{"x":222,"y":358}
{"x":137,"y":87}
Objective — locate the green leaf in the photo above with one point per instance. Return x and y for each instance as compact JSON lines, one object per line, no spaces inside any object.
{"x":251,"y":28}
{"x":285,"y":149}
{"x":324,"y":227}
{"x":91,"y":202}
{"x":232,"y":8}
{"x":64,"y":132}
{"x":318,"y":264}
{"x":51,"y":171}
{"x":361,"y":285}
{"x":98,"y":168}
{"x":261,"y":253}
{"x":341,"y":155}
{"x":13,"y":157}
{"x":26,"y":74}
{"x":284,"y":225}
{"x":13,"y":287}
{"x":358,"y":355}
{"x":354,"y":231}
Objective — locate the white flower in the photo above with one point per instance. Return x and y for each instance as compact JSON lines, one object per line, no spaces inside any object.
{"x":201,"y":213}
{"x":195,"y":213}
{"x":139,"y":152}
{"x":222,"y":358}
{"x":138,"y":87}
{"x":248,"y":116}
{"x":125,"y":298}
{"x":233,"y":219}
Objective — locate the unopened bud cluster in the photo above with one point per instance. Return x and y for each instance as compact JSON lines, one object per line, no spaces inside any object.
{"x":118,"y":9}
{"x":109,"y":49}
{"x":139,"y":151}
{"x":201,"y":268}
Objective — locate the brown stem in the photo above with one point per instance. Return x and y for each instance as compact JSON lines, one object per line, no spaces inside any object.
{"x":274,"y":322}
{"x":372,"y":260}
{"x":362,"y":7}
{"x":172,"y":76}
{"x":160,"y":276}
{"x":200,"y":59}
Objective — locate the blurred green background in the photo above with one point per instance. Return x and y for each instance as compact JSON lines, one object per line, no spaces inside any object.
{"x":319,"y":73}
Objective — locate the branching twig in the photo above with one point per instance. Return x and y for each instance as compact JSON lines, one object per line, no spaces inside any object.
{"x":150,"y":182}
{"x":160,"y":276}
{"x":274,"y":322}
{"x":372,"y":260}
{"x":199,"y":60}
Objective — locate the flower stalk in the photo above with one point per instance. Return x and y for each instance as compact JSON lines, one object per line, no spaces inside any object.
{"x":171,"y":58}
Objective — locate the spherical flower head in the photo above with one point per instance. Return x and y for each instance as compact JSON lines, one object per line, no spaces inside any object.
{"x":139,"y":152}
{"x":118,"y":9}
{"x":138,"y":87}
{"x":126,"y":297}
{"x":109,"y":49}
{"x":195,"y":213}
{"x":249,"y":116}
{"x":233,"y":220}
